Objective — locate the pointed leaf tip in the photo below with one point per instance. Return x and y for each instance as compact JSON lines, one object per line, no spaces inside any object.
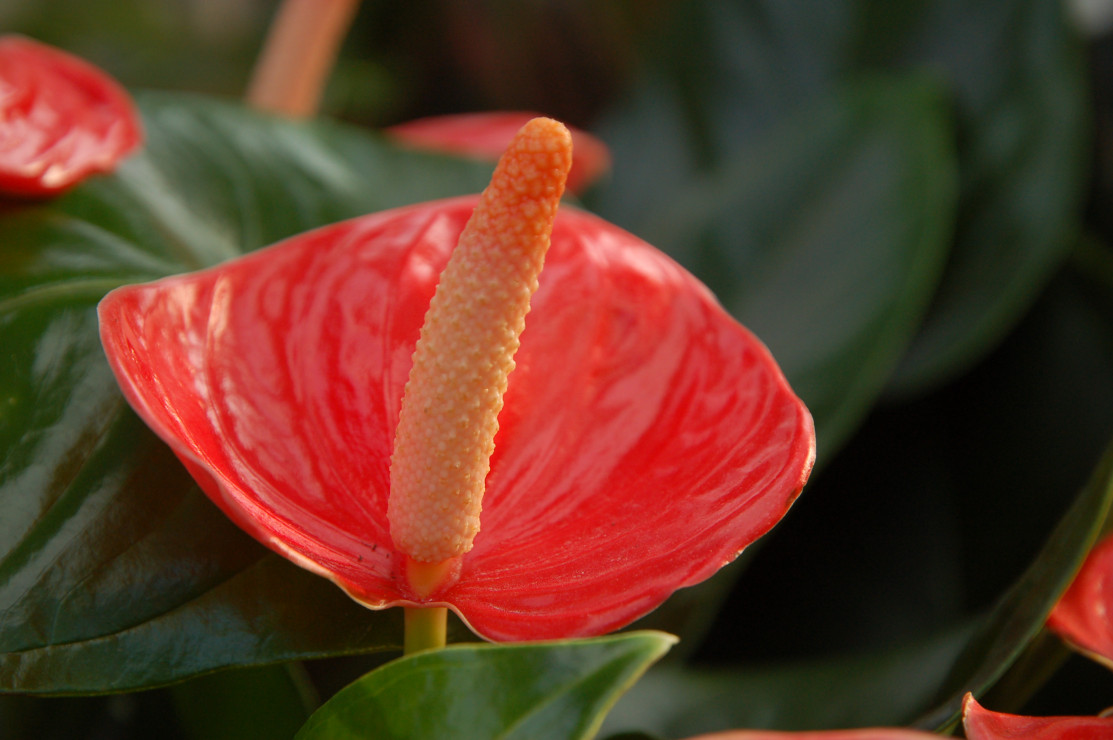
{"x":537,"y":691}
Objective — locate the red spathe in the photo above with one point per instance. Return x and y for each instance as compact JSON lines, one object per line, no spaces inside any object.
{"x":61,"y":119}
{"x":1084,"y":616}
{"x":646,"y":437}
{"x":983,"y":724}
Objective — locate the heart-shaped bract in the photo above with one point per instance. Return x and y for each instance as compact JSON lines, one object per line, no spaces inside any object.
{"x":646,"y":437}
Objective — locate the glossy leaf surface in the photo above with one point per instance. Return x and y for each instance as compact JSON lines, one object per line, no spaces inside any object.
{"x":983,"y":724}
{"x":107,"y":548}
{"x":486,"y":135}
{"x":1021,"y":108}
{"x":834,"y":266}
{"x":554,"y":691}
{"x":61,"y":119}
{"x":1019,"y":615}
{"x":1084,"y":616}
{"x":876,"y":689}
{"x":645,"y":440}
{"x":921,"y":683}
{"x":730,"y":73}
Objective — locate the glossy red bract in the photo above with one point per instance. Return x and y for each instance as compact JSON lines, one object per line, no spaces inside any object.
{"x":61,"y":119}
{"x":1084,"y":616}
{"x":486,"y":135}
{"x":646,"y":437}
{"x":982,"y":724}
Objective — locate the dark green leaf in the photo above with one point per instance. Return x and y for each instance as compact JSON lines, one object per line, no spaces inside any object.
{"x":895,"y":687}
{"x":846,"y":692}
{"x":115,"y":571}
{"x":832,"y":266}
{"x":540,"y":691}
{"x":827,"y":237}
{"x":1017,"y":76}
{"x":727,"y":73}
{"x":1017,"y":618}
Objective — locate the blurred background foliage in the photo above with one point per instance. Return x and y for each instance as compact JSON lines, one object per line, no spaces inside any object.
{"x":908,"y":200}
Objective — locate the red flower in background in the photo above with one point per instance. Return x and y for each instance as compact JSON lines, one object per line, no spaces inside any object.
{"x":979,"y":724}
{"x":646,"y":437}
{"x":61,"y":119}
{"x":485,"y":136}
{"x":982,"y":724}
{"x":1084,"y":616}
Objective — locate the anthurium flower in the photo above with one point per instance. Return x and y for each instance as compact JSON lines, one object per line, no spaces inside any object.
{"x":982,"y":724}
{"x":1084,"y":616}
{"x":645,"y":437}
{"x":61,"y":119}
{"x":485,"y":136}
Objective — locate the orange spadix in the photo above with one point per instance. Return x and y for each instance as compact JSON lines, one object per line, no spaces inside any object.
{"x":449,"y":417}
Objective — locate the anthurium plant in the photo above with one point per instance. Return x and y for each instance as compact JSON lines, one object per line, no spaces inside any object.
{"x":763,"y":397}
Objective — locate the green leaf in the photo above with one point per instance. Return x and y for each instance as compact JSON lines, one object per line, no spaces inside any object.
{"x":833,"y":265}
{"x":1018,"y":616}
{"x":731,"y":73}
{"x":881,"y":689}
{"x":922,"y":682}
{"x":107,"y":549}
{"x":1021,"y":95}
{"x":539,"y":691}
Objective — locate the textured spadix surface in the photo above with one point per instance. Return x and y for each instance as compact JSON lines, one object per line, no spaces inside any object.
{"x":448,"y":422}
{"x":645,"y":438}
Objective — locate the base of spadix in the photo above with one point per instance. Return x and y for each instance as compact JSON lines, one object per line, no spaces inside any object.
{"x":427,"y":626}
{"x":426,"y":579}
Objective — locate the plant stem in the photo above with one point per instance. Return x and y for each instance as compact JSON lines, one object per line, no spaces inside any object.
{"x":298,"y":55}
{"x":425,"y":628}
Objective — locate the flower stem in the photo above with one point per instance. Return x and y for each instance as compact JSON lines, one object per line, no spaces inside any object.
{"x":298,"y":55}
{"x":426,"y":628}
